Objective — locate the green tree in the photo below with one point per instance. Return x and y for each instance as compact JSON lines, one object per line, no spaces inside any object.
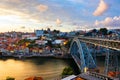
{"x":77,"y":33}
{"x":25,"y":41}
{"x":32,"y":45}
{"x":67,"y":71}
{"x":48,"y":29}
{"x":103,"y":31}
{"x":45,"y":32}
{"x":56,"y":31}
{"x":94,"y":30}
{"x":10,"y":78}
{"x":110,"y":32}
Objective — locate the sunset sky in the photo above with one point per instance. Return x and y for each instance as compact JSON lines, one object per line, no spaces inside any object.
{"x":63,"y":15}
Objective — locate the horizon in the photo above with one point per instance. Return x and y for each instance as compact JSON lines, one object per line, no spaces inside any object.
{"x":63,"y":15}
{"x":55,"y":29}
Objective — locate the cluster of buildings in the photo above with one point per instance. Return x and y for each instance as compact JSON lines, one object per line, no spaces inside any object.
{"x":44,"y":41}
{"x":40,"y":41}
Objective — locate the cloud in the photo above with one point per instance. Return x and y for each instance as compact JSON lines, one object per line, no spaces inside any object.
{"x":109,"y":21}
{"x":102,"y":7}
{"x":5,"y":12}
{"x":77,"y":1}
{"x":13,"y":1}
{"x":42,"y":8}
{"x":26,"y":9}
{"x":58,"y":21}
{"x":40,"y":11}
{"x":57,"y":12}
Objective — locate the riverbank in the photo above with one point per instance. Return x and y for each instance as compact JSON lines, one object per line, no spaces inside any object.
{"x":35,"y":57}
{"x":66,"y":56}
{"x":51,"y":55}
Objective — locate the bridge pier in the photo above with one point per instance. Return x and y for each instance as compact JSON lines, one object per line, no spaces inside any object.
{"x":111,"y":64}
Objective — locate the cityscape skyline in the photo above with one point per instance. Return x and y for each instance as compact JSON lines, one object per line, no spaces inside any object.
{"x":63,"y":15}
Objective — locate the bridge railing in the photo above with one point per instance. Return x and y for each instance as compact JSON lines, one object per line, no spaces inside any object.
{"x":112,"y":44}
{"x":101,"y":76}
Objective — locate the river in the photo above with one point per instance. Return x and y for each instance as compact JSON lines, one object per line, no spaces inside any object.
{"x":48,"y":68}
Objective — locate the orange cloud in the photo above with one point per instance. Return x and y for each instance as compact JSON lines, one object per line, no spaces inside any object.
{"x":102,"y":7}
{"x":58,"y":21}
{"x":109,"y":21}
{"x":42,"y":8}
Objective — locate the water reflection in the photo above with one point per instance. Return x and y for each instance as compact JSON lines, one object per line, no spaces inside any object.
{"x":48,"y":68}
{"x":21,"y":69}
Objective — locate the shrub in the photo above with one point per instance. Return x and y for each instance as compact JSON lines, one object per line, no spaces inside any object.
{"x":10,"y":78}
{"x":67,"y":71}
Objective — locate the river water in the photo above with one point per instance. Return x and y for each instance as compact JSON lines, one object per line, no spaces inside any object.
{"x":48,"y":68}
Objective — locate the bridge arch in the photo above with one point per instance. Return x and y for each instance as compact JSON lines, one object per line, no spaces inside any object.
{"x":81,"y":55}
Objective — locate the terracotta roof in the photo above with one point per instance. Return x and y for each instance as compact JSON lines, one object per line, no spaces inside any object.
{"x":34,"y":78}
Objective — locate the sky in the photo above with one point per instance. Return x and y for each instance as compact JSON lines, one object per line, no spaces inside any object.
{"x":63,"y":15}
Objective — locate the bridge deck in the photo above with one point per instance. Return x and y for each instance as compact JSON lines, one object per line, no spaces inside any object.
{"x":112,"y":44}
{"x":93,"y":76}
{"x":89,"y":77}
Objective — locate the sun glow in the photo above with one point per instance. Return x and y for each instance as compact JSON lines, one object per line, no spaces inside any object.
{"x":6,"y":22}
{"x":9,"y":19}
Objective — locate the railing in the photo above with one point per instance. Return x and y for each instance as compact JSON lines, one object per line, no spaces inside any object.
{"x":102,"y":76}
{"x":112,"y":44}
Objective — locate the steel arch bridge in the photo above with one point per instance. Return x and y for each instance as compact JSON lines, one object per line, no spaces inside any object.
{"x":83,"y":57}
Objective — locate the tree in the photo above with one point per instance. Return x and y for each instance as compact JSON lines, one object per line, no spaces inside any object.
{"x":45,"y":32}
{"x":32,"y":45}
{"x":56,"y":31}
{"x":103,"y":31}
{"x":48,"y":29}
{"x":77,"y":33}
{"x":94,"y":30}
{"x":23,"y":41}
{"x":67,"y":71}
{"x":10,"y":78}
{"x":110,"y":32}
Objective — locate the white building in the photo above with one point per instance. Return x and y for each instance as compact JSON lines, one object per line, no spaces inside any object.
{"x":58,"y":41}
{"x":41,"y":42}
{"x":32,"y":38}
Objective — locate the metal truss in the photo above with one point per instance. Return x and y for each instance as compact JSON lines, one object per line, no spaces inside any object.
{"x":84,"y":59}
{"x":82,"y":55}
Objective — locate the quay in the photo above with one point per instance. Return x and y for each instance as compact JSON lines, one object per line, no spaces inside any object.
{"x":21,"y":56}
